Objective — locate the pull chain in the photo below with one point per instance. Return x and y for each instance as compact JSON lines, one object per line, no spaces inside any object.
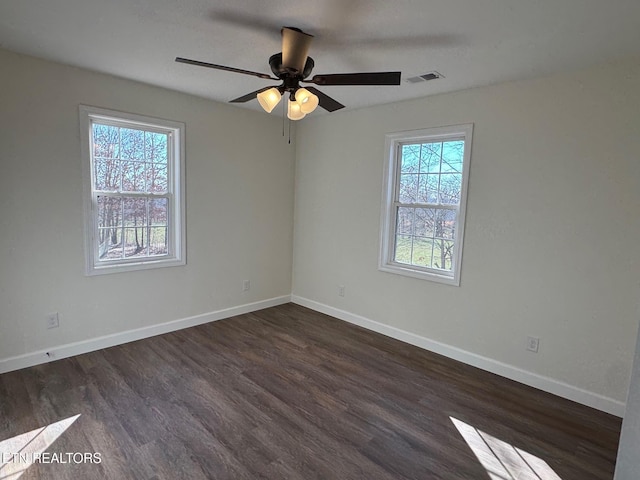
{"x":283,"y":113}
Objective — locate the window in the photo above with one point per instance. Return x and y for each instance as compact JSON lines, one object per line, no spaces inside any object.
{"x":425,"y":194}
{"x":134,"y":191}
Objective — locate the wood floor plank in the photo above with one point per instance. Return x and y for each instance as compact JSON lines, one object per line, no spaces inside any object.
{"x":289,"y":393}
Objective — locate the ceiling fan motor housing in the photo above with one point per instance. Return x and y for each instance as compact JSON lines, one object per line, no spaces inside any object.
{"x":280,"y":71}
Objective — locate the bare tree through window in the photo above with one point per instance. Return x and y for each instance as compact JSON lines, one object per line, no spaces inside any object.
{"x":131,"y":180}
{"x":428,"y":196}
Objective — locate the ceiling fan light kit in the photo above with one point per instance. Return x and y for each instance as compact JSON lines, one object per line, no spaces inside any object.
{"x":300,"y":104}
{"x":307,"y":100}
{"x":269,"y":99}
{"x":294,"y":112}
{"x":293,"y":66}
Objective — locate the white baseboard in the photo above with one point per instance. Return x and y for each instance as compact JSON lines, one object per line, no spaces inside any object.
{"x":540,"y":382}
{"x":550,"y":385}
{"x":86,"y":346}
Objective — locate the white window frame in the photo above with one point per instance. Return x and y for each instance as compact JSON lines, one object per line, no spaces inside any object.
{"x":390,"y":203}
{"x":175,"y":185}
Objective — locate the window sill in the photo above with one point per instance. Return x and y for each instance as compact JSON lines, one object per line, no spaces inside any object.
{"x":407,"y":271}
{"x":133,"y":266}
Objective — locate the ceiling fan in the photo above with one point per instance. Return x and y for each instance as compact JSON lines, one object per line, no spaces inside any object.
{"x":292,"y":67}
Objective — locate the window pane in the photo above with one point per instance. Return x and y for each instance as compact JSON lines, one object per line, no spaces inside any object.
{"x":450,"y":186}
{"x":111,"y":248}
{"x":404,"y":221}
{"x":106,"y":141}
{"x":422,"y":249}
{"x":135,"y":231}
{"x":109,"y":212}
{"x":445,"y":223}
{"x":158,"y":241}
{"x":424,"y":222}
{"x":107,"y":174}
{"x":131,"y":144}
{"x":408,"y":188}
{"x":157,"y":177}
{"x":403,"y":249}
{"x":158,"y":211}
{"x":133,"y":177}
{"x":410,"y":162}
{"x":443,"y":254}
{"x":135,"y":242}
{"x":430,"y":158}
{"x":135,"y":212}
{"x":422,"y":189}
{"x":155,"y":145}
{"x":452,"y":156}
{"x":428,"y":189}
{"x":109,"y":231}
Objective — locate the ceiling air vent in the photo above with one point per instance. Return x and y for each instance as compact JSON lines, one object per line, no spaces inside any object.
{"x":425,"y":78}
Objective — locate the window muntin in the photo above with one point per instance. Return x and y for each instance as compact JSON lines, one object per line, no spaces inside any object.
{"x":135,"y":194}
{"x":423,"y":213}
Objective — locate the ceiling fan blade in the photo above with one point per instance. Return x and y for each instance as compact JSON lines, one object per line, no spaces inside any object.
{"x":223,"y":67}
{"x":295,"y":48}
{"x":325,"y":101}
{"x":249,"y":96}
{"x":370,"y":78}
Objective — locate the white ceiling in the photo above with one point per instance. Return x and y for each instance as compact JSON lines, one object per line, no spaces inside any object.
{"x":471,"y":42}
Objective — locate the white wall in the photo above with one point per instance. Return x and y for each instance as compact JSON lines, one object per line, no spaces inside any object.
{"x":551,"y":233}
{"x":239,"y":173}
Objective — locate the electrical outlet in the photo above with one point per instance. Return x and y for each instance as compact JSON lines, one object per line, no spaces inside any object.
{"x":246,"y":285}
{"x":533,"y":343}
{"x":53,"y":321}
{"x":341,"y":290}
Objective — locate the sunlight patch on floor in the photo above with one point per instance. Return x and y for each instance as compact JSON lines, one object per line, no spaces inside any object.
{"x":17,"y":453}
{"x":500,"y":459}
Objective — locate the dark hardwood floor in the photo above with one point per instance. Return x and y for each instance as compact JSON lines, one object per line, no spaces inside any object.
{"x":289,"y":393}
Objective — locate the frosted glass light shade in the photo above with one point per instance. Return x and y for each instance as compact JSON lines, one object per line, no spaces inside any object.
{"x":294,"y":112}
{"x":269,"y":99}
{"x":307,"y":100}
